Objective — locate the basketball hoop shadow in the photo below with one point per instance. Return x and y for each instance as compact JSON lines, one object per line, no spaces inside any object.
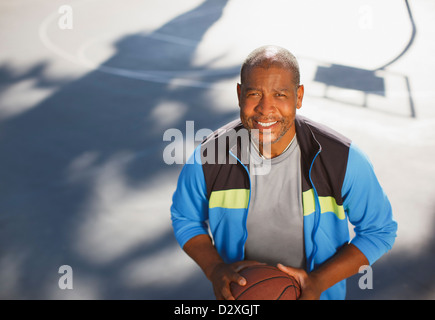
{"x":392,"y":91}
{"x":379,"y":89}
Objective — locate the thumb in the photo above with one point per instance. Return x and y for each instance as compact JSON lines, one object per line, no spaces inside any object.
{"x":294,"y":272}
{"x":300,"y":275}
{"x":289,"y":270}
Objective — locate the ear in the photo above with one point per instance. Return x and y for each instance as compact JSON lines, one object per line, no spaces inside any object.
{"x":300,"y":96}
{"x":239,"y":93}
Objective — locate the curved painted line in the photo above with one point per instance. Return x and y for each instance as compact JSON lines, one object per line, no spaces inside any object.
{"x":158,"y":76}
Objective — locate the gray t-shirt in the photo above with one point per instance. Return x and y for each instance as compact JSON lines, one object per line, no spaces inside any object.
{"x":275,"y":217}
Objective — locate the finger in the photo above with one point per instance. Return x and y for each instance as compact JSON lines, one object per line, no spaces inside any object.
{"x":294,"y":272}
{"x":241,"y":281}
{"x":286,"y":269}
{"x":237,"y":278}
{"x":226,"y":294}
{"x":297,"y":274}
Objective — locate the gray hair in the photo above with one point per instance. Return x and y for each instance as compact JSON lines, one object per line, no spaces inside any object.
{"x":268,"y":56}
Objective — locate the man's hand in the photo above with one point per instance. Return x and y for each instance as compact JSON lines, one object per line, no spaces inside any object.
{"x":344,"y":264}
{"x":203,"y":252}
{"x":309,"y":286}
{"x":223,"y":274}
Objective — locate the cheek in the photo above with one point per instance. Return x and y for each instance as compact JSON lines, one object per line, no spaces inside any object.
{"x":247,"y":111}
{"x":245,"y":118}
{"x":289,"y":110}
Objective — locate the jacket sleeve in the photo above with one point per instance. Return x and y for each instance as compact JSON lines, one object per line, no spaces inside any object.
{"x":368,"y":207}
{"x":189,"y":210}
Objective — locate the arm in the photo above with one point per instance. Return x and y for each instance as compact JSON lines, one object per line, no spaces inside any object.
{"x":369,"y":210}
{"x":189,"y":209}
{"x":202,"y":251}
{"x":367,"y":207}
{"x":189,"y":212}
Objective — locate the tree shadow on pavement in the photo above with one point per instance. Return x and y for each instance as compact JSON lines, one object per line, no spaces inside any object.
{"x":54,"y":155}
{"x":82,"y":172}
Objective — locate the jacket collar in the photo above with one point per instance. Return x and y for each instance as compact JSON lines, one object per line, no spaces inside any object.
{"x":309,"y":145}
{"x":307,"y":141}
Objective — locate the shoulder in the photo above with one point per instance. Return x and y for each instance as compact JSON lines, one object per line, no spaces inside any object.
{"x":230,"y":138}
{"x":321,"y":132}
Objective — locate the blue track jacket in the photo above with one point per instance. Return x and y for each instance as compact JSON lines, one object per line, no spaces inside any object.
{"x":338,"y":183}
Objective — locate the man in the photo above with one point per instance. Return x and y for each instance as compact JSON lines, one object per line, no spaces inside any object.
{"x":228,"y":214}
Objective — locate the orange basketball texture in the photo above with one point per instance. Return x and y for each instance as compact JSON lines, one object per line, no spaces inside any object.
{"x":266,"y":283}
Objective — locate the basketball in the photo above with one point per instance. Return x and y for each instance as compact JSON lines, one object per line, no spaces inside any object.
{"x":265,"y":282}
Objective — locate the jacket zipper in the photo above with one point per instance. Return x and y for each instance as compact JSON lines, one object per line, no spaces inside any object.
{"x":245,"y":236}
{"x":317,"y":217}
{"x":316,"y":212}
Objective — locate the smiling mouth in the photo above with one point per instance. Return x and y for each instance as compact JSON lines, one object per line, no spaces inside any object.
{"x":265,"y":125}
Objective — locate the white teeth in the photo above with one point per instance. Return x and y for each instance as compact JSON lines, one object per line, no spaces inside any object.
{"x":267,"y":124}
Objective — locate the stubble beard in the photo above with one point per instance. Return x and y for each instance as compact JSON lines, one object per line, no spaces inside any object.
{"x":255,"y":133}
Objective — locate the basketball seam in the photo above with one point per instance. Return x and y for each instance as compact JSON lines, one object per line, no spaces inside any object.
{"x":263,"y":267}
{"x":256,"y":283}
{"x":296,"y":286}
{"x":285,"y":289}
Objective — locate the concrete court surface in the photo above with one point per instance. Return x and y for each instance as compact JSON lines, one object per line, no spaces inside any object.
{"x":88,"y":90}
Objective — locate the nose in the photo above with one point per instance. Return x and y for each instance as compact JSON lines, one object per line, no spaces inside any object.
{"x":266,"y":105}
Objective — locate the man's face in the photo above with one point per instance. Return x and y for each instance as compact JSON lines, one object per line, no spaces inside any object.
{"x":268,"y":99}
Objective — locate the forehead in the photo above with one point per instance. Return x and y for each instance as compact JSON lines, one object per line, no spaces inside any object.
{"x":268,"y":76}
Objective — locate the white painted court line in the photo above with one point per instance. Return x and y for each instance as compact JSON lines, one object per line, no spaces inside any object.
{"x":178,"y":78}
